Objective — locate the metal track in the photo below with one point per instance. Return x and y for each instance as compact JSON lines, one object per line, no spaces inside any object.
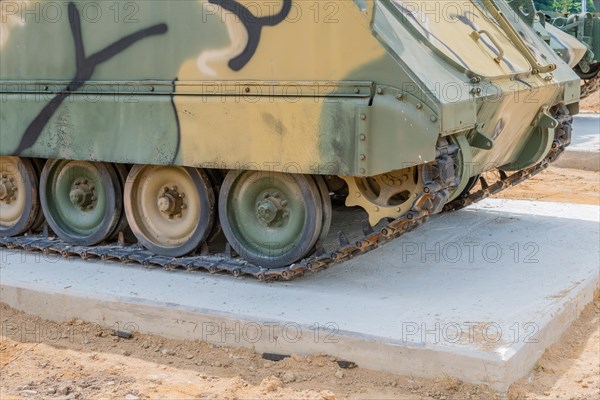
{"x":590,"y":86}
{"x":428,"y":203}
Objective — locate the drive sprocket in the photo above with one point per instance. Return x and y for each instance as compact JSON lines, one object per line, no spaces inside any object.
{"x":388,"y":195}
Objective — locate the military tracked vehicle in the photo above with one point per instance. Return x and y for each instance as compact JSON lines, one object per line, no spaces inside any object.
{"x":586,"y":29}
{"x":218,"y":132}
{"x":576,"y":39}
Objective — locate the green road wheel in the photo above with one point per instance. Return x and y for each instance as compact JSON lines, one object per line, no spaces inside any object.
{"x":19,"y":203}
{"x":170,"y":209}
{"x":270,"y":219}
{"x":82,"y":200}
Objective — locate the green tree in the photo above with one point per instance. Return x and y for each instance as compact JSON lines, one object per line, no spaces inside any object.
{"x":544,"y":5}
{"x":563,"y":6}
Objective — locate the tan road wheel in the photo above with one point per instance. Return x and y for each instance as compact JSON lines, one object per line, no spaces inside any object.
{"x":19,"y":204}
{"x":82,"y":200}
{"x":169,"y":209}
{"x":325,"y":205}
{"x":270,"y":219}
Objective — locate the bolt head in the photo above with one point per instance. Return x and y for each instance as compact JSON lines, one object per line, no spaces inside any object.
{"x":419,"y":106}
{"x":174,"y":188}
{"x":184,"y":206}
{"x":363,"y":116}
{"x":163,"y":203}
{"x":363,"y":137}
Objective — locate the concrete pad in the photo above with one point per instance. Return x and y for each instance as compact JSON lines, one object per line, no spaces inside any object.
{"x":584,"y":151}
{"x":477,"y":294}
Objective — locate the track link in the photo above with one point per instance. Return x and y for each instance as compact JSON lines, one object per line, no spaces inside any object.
{"x":426,"y":205}
{"x":590,"y":86}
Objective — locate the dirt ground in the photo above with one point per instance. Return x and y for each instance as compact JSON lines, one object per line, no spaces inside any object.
{"x":562,"y":185}
{"x":40,"y":359}
{"x":591,"y":104}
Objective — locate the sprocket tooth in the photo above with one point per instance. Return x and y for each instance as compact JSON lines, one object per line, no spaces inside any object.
{"x":374,"y":218}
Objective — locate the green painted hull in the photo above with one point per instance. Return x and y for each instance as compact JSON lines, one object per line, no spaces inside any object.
{"x":346,"y":88}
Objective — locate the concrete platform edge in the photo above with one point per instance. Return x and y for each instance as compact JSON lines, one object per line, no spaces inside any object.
{"x":584,"y":160}
{"x":285,"y":337}
{"x":553,"y":325}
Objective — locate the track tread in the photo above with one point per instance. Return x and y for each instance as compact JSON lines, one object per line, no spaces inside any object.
{"x":226,"y":263}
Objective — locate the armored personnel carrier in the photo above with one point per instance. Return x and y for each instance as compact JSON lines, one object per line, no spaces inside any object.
{"x":575,"y":38}
{"x":176,"y":120}
{"x":586,"y":29}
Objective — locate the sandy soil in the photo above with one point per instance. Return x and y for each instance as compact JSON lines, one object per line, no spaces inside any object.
{"x":560,"y":185}
{"x":76,"y":360}
{"x":591,"y":103}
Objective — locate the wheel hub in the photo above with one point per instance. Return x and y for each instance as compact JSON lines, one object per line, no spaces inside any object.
{"x":7,"y":189}
{"x":271,"y":209}
{"x":83,"y":195}
{"x":170,"y":202}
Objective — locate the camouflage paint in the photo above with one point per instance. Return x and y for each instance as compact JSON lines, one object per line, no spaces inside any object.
{"x":342,"y":87}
